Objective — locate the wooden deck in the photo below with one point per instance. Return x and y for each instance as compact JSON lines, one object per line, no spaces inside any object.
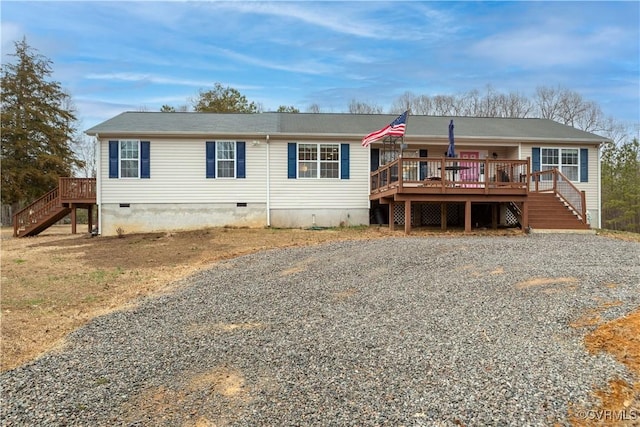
{"x":71,"y":194}
{"x":443,"y":181}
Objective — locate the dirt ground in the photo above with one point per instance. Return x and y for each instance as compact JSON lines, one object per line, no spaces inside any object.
{"x":56,"y":282}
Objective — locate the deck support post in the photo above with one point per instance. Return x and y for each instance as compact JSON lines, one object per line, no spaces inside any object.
{"x":443,"y":216}
{"x":525,"y":215}
{"x":467,"y":216}
{"x":392,"y":208}
{"x":73,"y":218}
{"x":494,"y":215}
{"x":407,"y":217}
{"x":90,"y":217}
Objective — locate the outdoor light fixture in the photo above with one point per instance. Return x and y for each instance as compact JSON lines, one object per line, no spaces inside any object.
{"x":495,"y":155}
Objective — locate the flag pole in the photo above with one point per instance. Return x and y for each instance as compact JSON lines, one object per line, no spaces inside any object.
{"x":406,"y":122}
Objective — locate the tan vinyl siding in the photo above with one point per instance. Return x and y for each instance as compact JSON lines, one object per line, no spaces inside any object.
{"x":591,"y":187}
{"x":178,"y":175}
{"x":352,"y":193}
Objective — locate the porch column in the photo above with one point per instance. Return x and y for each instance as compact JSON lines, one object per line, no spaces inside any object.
{"x":90,"y":217}
{"x":392,"y":208}
{"x":443,"y":216}
{"x":73,"y":218}
{"x":407,"y":216}
{"x":467,"y":216}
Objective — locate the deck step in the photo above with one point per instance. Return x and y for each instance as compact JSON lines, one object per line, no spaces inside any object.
{"x":546,"y":211}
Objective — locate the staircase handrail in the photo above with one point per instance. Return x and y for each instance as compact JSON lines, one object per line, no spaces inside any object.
{"x":563,"y":188}
{"x":35,"y":210}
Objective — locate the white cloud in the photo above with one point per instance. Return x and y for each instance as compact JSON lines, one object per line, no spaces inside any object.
{"x":372,"y":20}
{"x":309,"y":66}
{"x":147,"y":78}
{"x":540,"y":47}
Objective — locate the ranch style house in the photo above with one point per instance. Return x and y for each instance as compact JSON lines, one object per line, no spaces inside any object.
{"x":178,"y":171}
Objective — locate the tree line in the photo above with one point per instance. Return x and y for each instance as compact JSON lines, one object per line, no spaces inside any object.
{"x":41,"y":142}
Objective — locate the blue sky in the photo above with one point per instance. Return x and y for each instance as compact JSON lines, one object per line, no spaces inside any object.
{"x":120,"y":56}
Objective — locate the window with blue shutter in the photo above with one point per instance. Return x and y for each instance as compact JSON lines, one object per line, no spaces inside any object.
{"x":113,"y":158}
{"x":584,"y":165}
{"x":241,"y":159}
{"x":145,"y":161}
{"x":535,"y":159}
{"x":211,"y":159}
{"x":344,"y":161}
{"x":226,"y":159}
{"x":292,"y":153}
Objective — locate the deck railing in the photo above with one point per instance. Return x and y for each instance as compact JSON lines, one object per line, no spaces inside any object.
{"x":451,"y":173}
{"x":78,"y":190}
{"x":554,"y":181}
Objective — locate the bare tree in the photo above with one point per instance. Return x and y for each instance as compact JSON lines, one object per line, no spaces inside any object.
{"x":471,"y":104}
{"x":357,"y":107}
{"x":445,"y":105}
{"x":313,"y":108}
{"x":591,"y":119}
{"x":572,"y":107}
{"x":417,"y":104}
{"x":514,"y":105}
{"x":85,"y":148}
{"x":547,"y":101}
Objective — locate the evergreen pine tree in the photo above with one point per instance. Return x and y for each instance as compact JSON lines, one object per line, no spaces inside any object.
{"x":37,"y":127}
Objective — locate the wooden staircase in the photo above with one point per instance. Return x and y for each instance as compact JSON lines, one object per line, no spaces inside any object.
{"x":547,"y":211}
{"x":63,"y":200}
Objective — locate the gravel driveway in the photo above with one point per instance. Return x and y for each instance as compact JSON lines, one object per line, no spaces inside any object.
{"x":403,"y":331}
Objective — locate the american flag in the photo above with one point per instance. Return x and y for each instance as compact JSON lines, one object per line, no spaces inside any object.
{"x":395,"y":128}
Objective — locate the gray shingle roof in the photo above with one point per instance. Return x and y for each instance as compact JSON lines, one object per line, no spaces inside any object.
{"x":349,"y":125}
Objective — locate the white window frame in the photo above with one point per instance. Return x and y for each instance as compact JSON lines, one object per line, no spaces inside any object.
{"x":219,"y":159}
{"x":121,"y":158}
{"x":316,"y":160}
{"x":560,"y":165}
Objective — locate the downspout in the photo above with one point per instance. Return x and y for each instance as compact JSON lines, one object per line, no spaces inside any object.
{"x":599,"y":188}
{"x":98,"y":182}
{"x":268,"y":183}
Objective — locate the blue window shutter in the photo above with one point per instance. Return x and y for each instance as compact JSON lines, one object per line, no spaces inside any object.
{"x":113,"y":158}
{"x":535,"y":159}
{"x":375,"y":159}
{"x":241,"y":164}
{"x":145,"y":163}
{"x":292,"y":160}
{"x":211,"y":159}
{"x":344,"y":161}
{"x":423,"y":165}
{"x":584,"y":165}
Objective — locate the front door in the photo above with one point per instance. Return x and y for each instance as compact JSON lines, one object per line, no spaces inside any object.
{"x":472,"y":173}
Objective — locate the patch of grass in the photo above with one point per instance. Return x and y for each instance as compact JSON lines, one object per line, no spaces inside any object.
{"x":102,"y":381}
{"x":19,"y":261}
{"x":57,"y":259}
{"x":621,"y":235}
{"x":98,"y":275}
{"x":90,"y":298}
{"x":101,"y":276}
